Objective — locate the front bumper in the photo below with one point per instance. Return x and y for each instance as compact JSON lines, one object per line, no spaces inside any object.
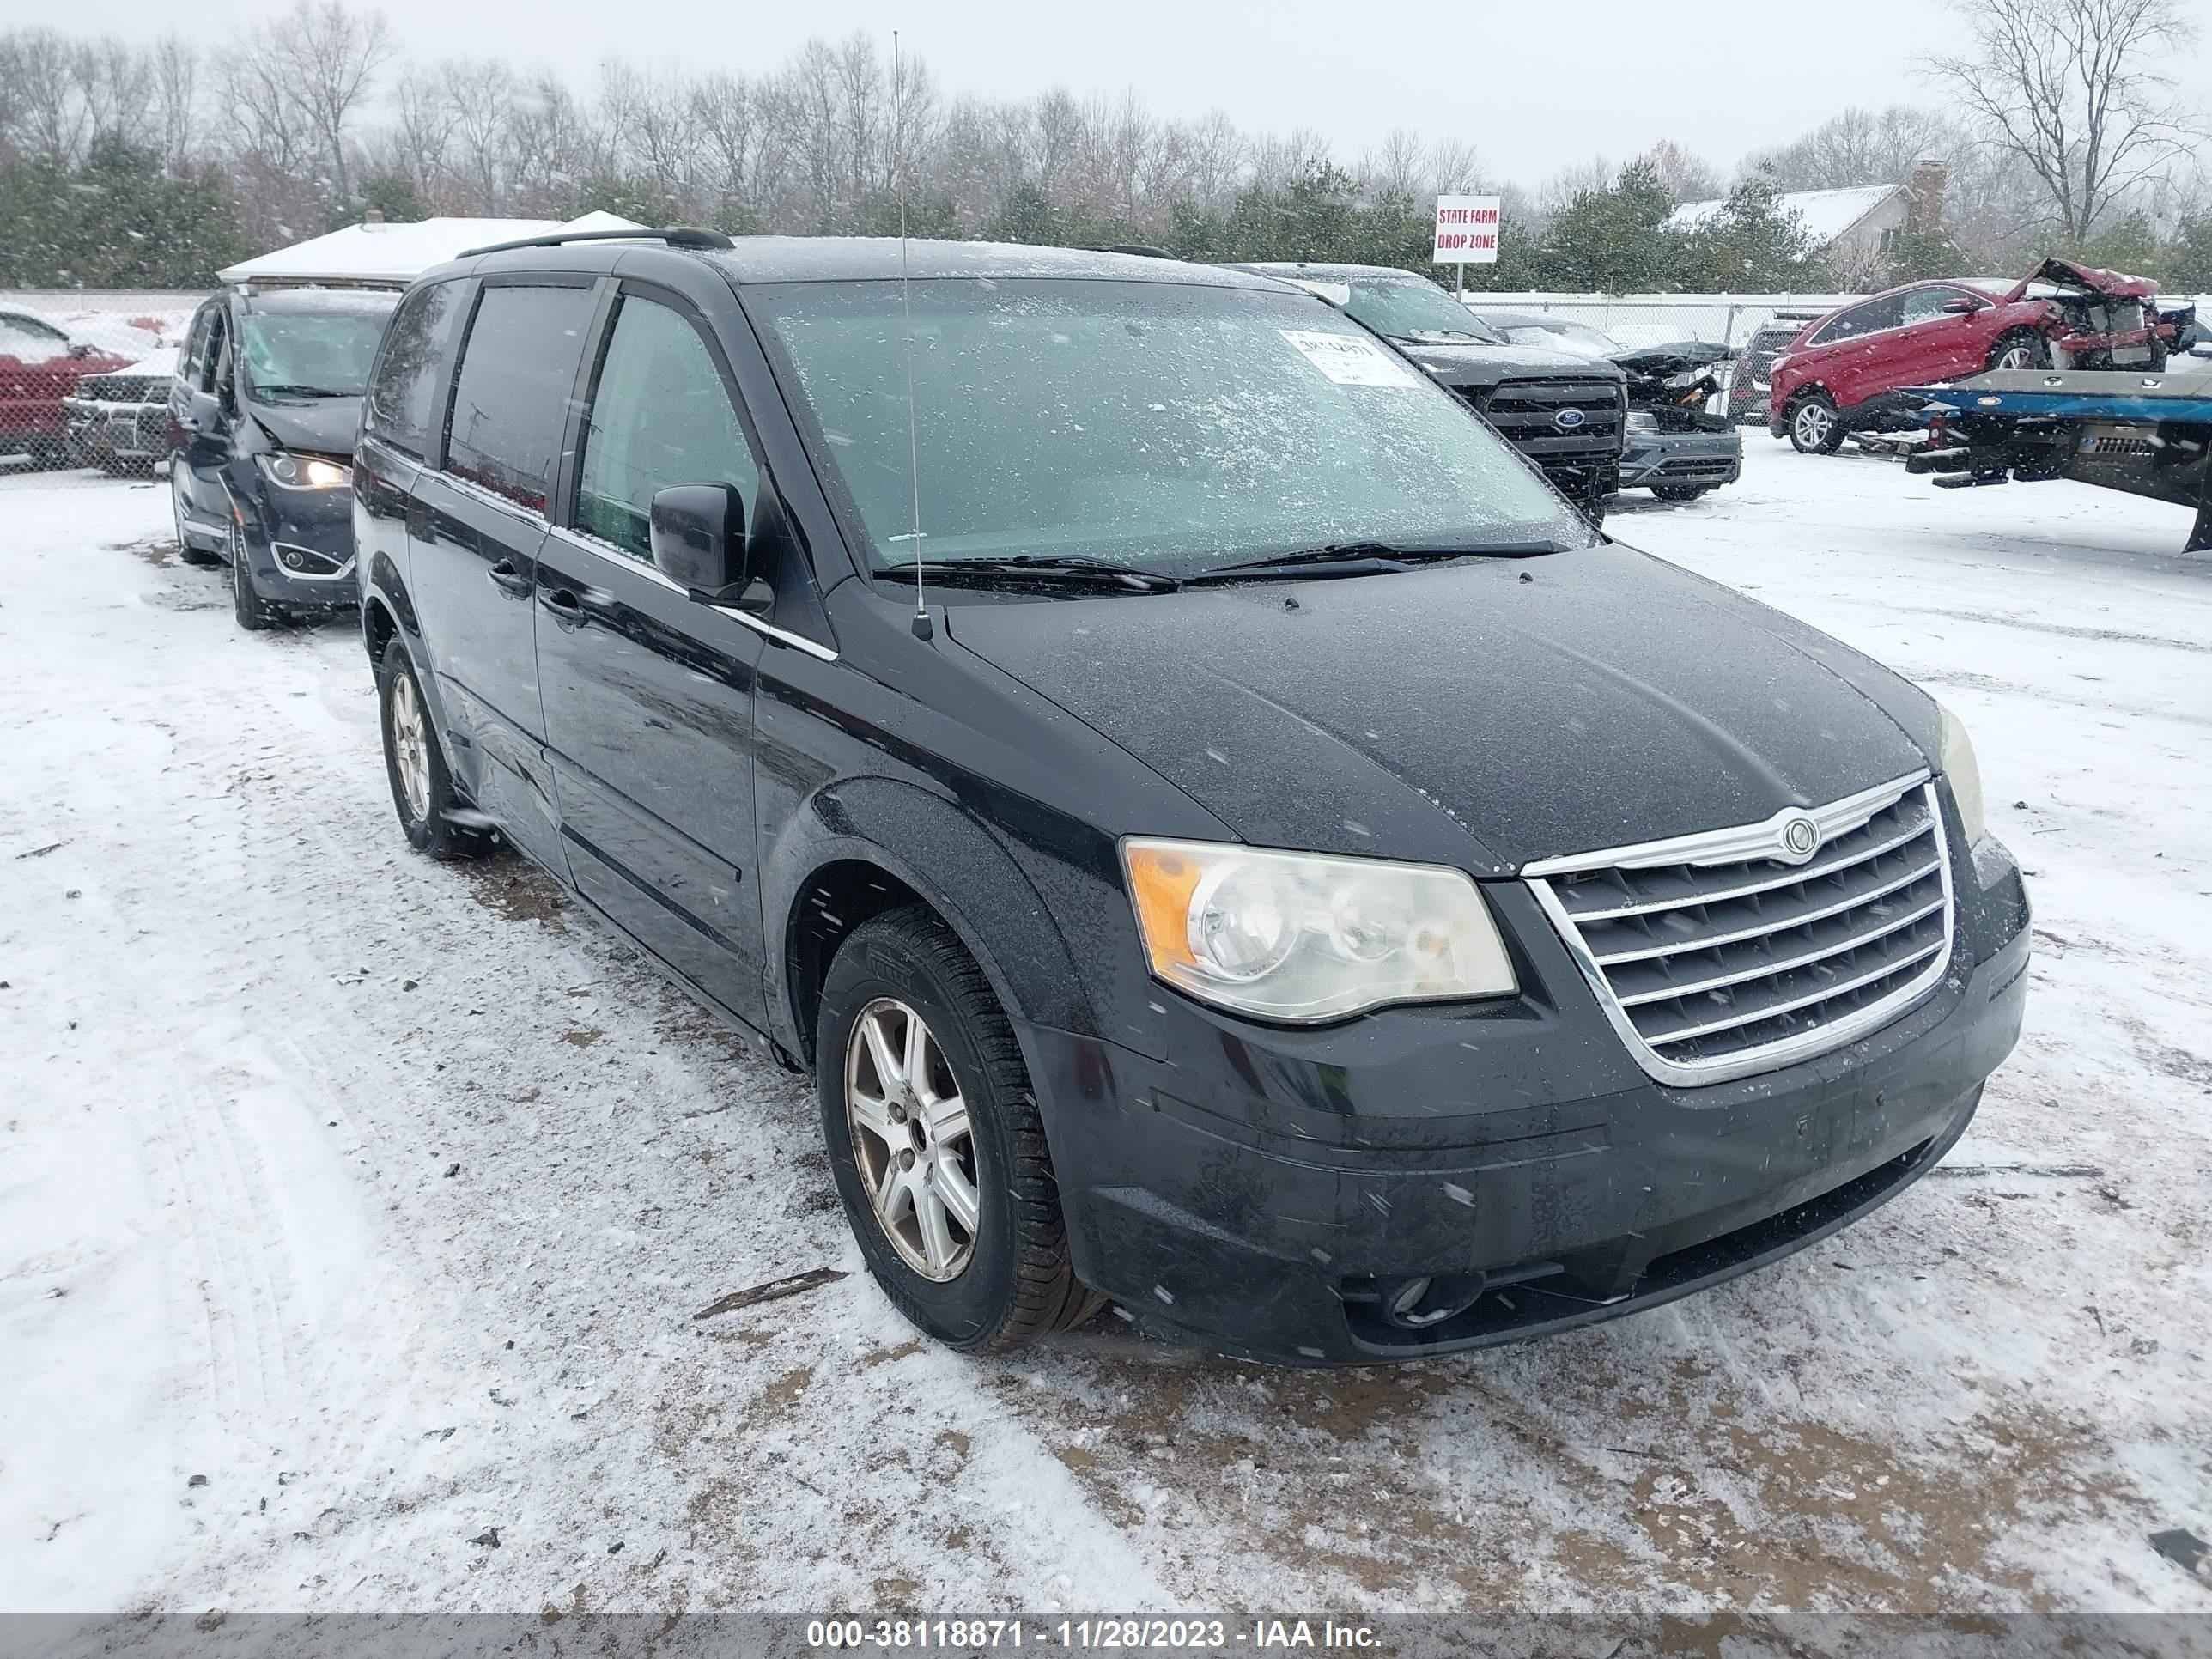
{"x":300,"y":550}
{"x":1256,"y":1191}
{"x":1700,"y":461}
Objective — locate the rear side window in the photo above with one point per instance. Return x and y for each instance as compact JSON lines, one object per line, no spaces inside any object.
{"x":403,"y":396}
{"x":511,"y":397}
{"x":660,"y":416}
{"x":1866,"y":319}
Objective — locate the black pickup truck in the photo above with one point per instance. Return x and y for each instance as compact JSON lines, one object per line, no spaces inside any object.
{"x":1564,"y":411}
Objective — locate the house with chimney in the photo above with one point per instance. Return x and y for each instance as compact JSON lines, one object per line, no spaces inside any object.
{"x":1855,"y":232}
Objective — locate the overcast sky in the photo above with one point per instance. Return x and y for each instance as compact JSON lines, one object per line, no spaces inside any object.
{"x":1536,"y":86}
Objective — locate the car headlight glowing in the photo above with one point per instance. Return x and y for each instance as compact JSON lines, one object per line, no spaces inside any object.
{"x":1964,"y":774}
{"x":1303,"y":937}
{"x":305,"y":471}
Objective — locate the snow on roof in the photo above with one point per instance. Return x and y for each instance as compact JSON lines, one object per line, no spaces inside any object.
{"x":397,"y":254}
{"x":1825,"y":214}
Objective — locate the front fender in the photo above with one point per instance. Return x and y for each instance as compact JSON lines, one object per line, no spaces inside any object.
{"x":959,"y":864}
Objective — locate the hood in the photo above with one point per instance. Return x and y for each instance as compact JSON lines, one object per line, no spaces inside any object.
{"x":1530,"y":708}
{"x":326,"y":426}
{"x":1677,"y":358}
{"x":2064,"y":273}
{"x":1476,"y":364}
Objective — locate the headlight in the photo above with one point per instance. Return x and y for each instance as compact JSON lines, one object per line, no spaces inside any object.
{"x":1964,"y":774}
{"x":1297,"y":936}
{"x":304,"y":471}
{"x":1643,"y":420}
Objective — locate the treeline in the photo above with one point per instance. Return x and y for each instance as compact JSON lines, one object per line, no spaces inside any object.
{"x":154,"y":164}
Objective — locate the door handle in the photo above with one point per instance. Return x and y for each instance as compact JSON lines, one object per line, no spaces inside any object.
{"x":566,"y":608}
{"x":509,"y":580}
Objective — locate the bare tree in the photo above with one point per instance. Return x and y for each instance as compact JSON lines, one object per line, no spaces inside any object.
{"x":1861,"y":147}
{"x":298,"y":84}
{"x":1687,"y":176}
{"x":2073,"y":89}
{"x":43,"y":115}
{"x":173,"y":109}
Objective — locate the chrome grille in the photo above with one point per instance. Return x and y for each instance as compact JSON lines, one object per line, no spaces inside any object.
{"x":1718,"y":955}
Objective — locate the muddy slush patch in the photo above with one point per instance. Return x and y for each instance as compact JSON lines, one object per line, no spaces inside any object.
{"x":511,"y":886}
{"x":1334,"y":1477}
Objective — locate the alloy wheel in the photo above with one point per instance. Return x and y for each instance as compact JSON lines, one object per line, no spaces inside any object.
{"x":911,"y":1140}
{"x":410,"y":745}
{"x":1814,"y":421}
{"x":2017,"y":357}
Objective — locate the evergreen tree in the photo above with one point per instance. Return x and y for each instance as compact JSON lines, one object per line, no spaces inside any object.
{"x":1918,"y":254}
{"x":117,"y":221}
{"x":1750,"y":245}
{"x":1613,"y":239}
{"x":1028,"y":216}
{"x":394,"y":195}
{"x":2188,"y":260}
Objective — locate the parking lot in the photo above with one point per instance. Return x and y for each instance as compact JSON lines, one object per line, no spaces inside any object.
{"x":357,"y":1210}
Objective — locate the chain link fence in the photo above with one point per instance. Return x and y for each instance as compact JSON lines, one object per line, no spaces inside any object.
{"x":84,"y":382}
{"x":1753,"y":327}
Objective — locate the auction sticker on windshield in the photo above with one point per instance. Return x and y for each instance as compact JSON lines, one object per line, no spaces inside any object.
{"x":1348,"y":360}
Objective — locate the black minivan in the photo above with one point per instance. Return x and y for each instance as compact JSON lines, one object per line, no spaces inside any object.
{"x":266,"y":398}
{"x":1225,"y":835}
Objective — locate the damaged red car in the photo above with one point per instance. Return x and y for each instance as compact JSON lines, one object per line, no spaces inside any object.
{"x":1842,"y":372}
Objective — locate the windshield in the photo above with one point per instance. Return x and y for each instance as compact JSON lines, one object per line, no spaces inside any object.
{"x":1172,"y":427}
{"x":311,"y":354}
{"x":1579,"y":338}
{"x":1414,"y":310}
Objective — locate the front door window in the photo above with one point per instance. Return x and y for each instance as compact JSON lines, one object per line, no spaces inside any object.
{"x":660,"y":416}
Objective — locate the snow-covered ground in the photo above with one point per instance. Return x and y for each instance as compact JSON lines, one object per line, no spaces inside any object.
{"x":355,"y":1210}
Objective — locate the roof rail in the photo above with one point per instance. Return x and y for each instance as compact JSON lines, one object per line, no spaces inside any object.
{"x":1140,"y":249}
{"x":674,"y":235}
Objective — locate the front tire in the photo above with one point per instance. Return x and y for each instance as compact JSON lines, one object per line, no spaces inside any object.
{"x":185,"y":550}
{"x":2019,"y":348}
{"x":422,"y":792}
{"x":254,"y":612}
{"x":1680,"y":492}
{"x":1816,"y":427}
{"x":935,"y":1142}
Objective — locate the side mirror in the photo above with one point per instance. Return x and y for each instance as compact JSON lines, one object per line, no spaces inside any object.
{"x":1963,"y":306}
{"x":203,"y":415}
{"x":698,"y":537}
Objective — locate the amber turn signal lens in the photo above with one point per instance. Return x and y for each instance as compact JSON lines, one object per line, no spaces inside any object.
{"x":1162,"y":880}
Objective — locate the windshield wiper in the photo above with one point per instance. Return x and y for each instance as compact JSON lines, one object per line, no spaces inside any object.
{"x":281,"y":389}
{"x":1034,"y":566}
{"x":1368,"y":559}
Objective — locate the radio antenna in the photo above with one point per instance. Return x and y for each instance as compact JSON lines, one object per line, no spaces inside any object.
{"x":923,"y":629}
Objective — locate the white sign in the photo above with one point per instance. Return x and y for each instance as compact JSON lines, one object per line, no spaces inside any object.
{"x":1349,"y":359}
{"x":1467,"y":230}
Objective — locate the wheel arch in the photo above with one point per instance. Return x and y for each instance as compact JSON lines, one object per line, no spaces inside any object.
{"x":387,"y":613}
{"x":864,"y":846}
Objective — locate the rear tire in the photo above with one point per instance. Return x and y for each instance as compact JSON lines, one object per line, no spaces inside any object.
{"x":1816,"y":427}
{"x":422,"y":792}
{"x":2019,"y":348}
{"x":947,"y":1122}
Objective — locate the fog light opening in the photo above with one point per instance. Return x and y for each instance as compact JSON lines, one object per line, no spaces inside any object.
{"x":307,"y":561}
{"x":1428,"y":1299}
